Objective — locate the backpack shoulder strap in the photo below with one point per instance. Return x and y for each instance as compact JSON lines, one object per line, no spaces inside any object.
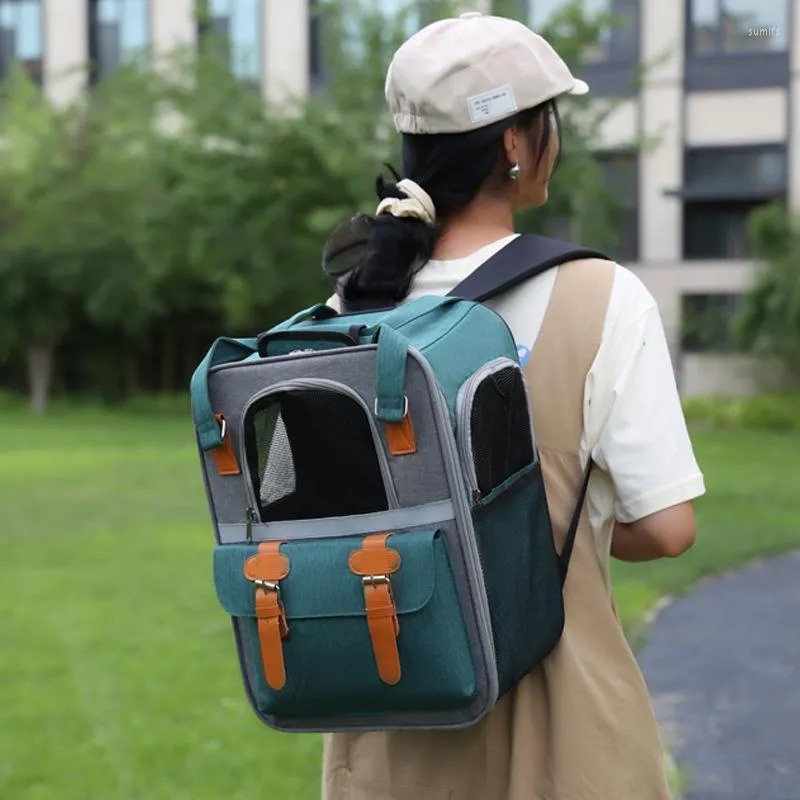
{"x":522,"y":258}
{"x":525,"y":257}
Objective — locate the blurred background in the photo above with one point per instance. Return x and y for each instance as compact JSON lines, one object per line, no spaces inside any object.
{"x":169,"y":172}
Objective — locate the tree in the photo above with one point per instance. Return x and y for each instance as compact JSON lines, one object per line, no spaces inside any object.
{"x":769,"y":323}
{"x":39,"y":286}
{"x":78,"y":178}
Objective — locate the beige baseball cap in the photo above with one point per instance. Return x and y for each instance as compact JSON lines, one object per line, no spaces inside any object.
{"x":463,"y":73}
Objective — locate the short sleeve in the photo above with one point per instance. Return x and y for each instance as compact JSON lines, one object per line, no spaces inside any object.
{"x":643,"y":441}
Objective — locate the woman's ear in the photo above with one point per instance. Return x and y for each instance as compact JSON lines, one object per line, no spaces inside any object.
{"x":511,"y":137}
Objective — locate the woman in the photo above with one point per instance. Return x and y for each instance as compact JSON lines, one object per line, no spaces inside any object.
{"x":475,"y":100}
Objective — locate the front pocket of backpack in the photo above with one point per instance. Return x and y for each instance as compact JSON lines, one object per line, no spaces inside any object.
{"x":494,"y":432}
{"x":329,"y":653}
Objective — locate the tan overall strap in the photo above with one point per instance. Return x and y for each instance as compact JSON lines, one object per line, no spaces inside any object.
{"x":565,"y":349}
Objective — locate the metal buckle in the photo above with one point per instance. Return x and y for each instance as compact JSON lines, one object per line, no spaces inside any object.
{"x":405,"y":406}
{"x":267,"y":586}
{"x":374,"y":580}
{"x":223,"y":428}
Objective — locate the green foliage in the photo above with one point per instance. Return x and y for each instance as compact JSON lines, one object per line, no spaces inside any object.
{"x":169,"y":205}
{"x":774,"y":412}
{"x":38,"y":285}
{"x":770,"y":319}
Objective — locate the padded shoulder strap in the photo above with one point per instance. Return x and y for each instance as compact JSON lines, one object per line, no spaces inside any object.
{"x":522,"y":258}
{"x":525,"y":257}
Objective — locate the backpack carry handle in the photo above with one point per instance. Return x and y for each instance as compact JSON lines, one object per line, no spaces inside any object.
{"x":223,"y":351}
{"x":391,"y":403}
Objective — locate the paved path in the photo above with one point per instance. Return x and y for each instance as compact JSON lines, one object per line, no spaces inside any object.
{"x":723,"y":666}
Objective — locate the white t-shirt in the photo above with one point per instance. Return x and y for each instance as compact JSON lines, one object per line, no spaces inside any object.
{"x":634,"y":426}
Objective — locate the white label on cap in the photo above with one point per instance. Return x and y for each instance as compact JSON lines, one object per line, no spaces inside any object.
{"x":495,"y":103}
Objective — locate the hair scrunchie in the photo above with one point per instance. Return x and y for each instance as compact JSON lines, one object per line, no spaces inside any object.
{"x":417,"y":203}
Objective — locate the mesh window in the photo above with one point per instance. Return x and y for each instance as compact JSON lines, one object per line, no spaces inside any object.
{"x":501,"y":431}
{"x":311,"y":454}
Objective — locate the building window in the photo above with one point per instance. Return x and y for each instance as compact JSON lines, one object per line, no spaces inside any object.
{"x":708,"y":322}
{"x":21,"y":37}
{"x":736,"y":44}
{"x":386,"y":24}
{"x":619,"y":42}
{"x":315,"y":61}
{"x":737,"y":26}
{"x":118,"y":29}
{"x":621,"y":179}
{"x":238,"y":26}
{"x":723,"y":187}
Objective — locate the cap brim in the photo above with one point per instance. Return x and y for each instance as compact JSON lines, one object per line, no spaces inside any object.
{"x":580,"y":87}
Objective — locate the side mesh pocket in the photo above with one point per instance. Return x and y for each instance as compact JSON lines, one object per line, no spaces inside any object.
{"x":494,"y":426}
{"x":311,"y":452}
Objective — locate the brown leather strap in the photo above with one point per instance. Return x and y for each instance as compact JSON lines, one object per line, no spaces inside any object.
{"x":224,"y":455}
{"x":400,"y":437}
{"x":374,"y":563}
{"x":266,"y":569}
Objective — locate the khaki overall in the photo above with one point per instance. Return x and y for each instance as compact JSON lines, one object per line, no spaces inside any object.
{"x":581,"y":726}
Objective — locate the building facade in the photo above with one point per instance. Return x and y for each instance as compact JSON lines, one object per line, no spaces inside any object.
{"x":722,"y":97}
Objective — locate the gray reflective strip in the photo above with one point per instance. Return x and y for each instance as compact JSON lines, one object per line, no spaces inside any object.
{"x":414,"y":517}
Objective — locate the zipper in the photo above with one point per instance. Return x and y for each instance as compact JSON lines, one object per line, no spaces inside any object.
{"x":464,"y":400}
{"x":313,"y":383}
{"x":251,"y":517}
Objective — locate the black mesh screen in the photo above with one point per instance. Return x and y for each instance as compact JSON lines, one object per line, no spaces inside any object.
{"x":311,"y":454}
{"x":501,"y":431}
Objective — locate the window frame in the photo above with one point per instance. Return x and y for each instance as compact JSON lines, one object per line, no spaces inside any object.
{"x":203,"y":29}
{"x":748,"y":193}
{"x":612,"y":76}
{"x":317,"y":69}
{"x":725,"y":70}
{"x":92,"y":25}
{"x":38,"y":78}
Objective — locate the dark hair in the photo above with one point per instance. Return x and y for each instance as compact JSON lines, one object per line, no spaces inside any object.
{"x":452,"y":169}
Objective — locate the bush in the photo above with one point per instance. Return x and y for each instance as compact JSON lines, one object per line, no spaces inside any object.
{"x":776,"y":412}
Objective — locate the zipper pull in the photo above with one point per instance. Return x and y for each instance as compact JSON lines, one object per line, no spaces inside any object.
{"x":476,"y":497}
{"x":251,"y":517}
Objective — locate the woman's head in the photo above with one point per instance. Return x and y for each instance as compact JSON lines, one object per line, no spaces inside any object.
{"x":475,"y":101}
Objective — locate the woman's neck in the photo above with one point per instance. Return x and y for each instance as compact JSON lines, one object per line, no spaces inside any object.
{"x":483,"y":222}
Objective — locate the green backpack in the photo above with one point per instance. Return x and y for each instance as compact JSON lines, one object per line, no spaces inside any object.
{"x":383,"y":542}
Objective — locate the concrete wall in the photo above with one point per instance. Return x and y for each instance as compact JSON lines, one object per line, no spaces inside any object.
{"x":704,"y":374}
{"x":736,"y":118}
{"x":660,"y":218}
{"x":66,"y":45}
{"x":285,"y":51}
{"x":794,"y":113}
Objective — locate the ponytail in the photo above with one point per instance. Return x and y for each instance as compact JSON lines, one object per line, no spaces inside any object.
{"x":445,"y":173}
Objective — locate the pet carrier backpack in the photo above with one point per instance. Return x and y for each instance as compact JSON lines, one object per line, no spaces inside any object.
{"x":383,"y":542}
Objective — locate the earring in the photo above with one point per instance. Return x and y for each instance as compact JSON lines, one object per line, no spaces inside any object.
{"x":514,"y":172}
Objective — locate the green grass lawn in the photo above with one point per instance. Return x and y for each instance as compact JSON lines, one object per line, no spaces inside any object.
{"x":118,"y":677}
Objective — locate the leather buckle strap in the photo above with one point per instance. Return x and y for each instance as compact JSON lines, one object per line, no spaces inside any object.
{"x":224,"y":454}
{"x":266,"y":570}
{"x":374,"y":563}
